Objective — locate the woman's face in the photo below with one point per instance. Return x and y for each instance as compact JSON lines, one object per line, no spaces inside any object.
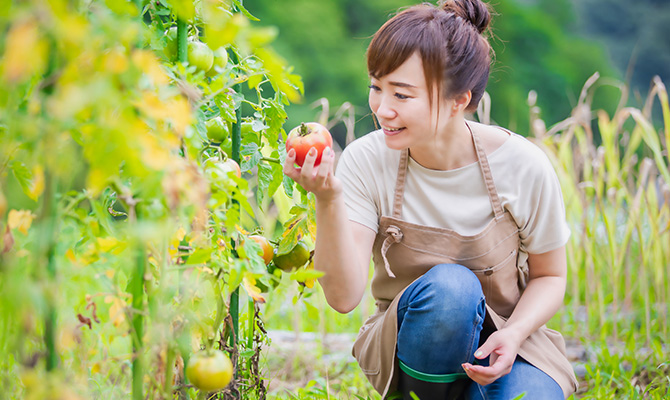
{"x":401,"y":102}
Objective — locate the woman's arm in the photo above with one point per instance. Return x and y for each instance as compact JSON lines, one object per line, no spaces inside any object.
{"x":343,"y":248}
{"x":541,"y":299}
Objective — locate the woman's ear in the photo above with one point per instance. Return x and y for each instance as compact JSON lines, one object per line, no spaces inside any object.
{"x":461,"y":102}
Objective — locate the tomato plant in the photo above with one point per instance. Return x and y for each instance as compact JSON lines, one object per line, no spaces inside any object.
{"x":121,"y":206}
{"x":306,"y":136}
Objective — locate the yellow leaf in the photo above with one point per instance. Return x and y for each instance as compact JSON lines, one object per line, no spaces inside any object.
{"x":21,"y":220}
{"x":180,"y":114}
{"x":107,"y":243}
{"x":25,"y":52}
{"x":37,"y":185}
{"x":249,"y":284}
{"x":151,"y":105}
{"x":154,"y":155}
{"x":150,"y":65}
{"x":96,"y":181}
{"x":311,"y":281}
{"x":116,"y":310}
{"x":96,"y":368}
{"x":181,"y":233}
{"x":69,"y":254}
{"x":116,"y":61}
{"x":110,"y":273}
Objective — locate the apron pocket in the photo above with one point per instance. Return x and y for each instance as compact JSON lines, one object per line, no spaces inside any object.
{"x":500,"y":284}
{"x":367,"y":346}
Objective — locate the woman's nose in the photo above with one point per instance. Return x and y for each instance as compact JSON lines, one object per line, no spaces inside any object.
{"x":384,"y":110}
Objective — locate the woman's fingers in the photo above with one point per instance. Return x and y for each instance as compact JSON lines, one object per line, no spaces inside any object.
{"x":501,"y":365}
{"x":325,"y":168}
{"x":312,"y":178}
{"x":289,"y":166}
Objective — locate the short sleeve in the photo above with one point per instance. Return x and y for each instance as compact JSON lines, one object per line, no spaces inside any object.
{"x":544,"y":226}
{"x":354,"y":169}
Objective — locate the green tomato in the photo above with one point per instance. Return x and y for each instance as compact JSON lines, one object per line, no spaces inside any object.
{"x":200,"y":56}
{"x":227,"y":147}
{"x":217,"y":130}
{"x":209,"y":371}
{"x":220,"y":62}
{"x":295,"y":258}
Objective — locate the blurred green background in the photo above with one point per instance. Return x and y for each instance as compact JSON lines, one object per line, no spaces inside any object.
{"x":550,"y":46}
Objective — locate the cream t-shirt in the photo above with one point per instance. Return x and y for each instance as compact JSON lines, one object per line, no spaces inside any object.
{"x":457,"y":199}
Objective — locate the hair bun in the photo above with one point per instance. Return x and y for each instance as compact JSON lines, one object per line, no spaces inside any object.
{"x":475,"y":12}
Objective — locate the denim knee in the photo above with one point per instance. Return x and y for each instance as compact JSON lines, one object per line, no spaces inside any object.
{"x":440,"y":317}
{"x":455,"y":286}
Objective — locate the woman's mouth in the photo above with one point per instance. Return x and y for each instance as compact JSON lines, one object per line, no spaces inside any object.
{"x":388,"y":131}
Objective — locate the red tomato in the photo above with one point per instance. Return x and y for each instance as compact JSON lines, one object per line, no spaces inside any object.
{"x":306,"y":136}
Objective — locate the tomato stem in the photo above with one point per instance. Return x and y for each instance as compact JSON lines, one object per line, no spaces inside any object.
{"x":304,"y":130}
{"x":271,"y":160}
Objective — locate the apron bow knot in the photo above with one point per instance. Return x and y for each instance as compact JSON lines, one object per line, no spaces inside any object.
{"x":395,"y":236}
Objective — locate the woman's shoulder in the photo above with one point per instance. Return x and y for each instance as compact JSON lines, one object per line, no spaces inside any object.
{"x":519,"y":159}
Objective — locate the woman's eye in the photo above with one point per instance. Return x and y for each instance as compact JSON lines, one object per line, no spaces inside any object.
{"x":374,"y":87}
{"x":401,"y":96}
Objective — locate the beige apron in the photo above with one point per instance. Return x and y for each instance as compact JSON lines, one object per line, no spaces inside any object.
{"x":404,"y":251}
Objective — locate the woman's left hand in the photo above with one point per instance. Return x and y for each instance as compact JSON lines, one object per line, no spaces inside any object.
{"x":502,"y":346}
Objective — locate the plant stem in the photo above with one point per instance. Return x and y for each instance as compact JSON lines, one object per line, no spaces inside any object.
{"x":48,"y":218}
{"x":136,"y":287}
{"x":271,"y":160}
{"x":181,"y":40}
{"x":237,"y":139}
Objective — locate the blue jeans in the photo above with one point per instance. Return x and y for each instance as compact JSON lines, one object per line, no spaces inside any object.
{"x":440,"y":322}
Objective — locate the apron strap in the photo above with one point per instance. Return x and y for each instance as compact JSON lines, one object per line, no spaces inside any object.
{"x":399,"y":192}
{"x":488,"y":177}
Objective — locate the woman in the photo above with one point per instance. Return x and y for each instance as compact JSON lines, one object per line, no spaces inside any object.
{"x":464,"y":221}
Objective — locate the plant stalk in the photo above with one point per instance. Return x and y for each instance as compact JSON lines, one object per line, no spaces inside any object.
{"x":136,"y":287}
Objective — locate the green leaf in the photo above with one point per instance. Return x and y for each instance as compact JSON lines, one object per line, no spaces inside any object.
{"x":253,"y":156}
{"x":303,"y":274}
{"x":275,"y":116}
{"x":265,"y":176}
{"x":23,"y":175}
{"x":294,"y":230}
{"x":288,"y":186}
{"x":184,"y":9}
{"x":200,"y":256}
{"x":277,"y":176}
{"x":240,"y":7}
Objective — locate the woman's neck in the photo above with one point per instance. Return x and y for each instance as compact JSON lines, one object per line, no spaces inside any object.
{"x":448,"y":149}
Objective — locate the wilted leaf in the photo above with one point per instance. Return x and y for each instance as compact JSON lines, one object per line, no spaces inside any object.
{"x":249,"y":283}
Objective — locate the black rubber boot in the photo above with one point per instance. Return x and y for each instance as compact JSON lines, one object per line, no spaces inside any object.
{"x":430,"y":391}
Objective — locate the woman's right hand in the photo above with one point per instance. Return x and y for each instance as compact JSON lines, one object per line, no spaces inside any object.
{"x":320,"y":179}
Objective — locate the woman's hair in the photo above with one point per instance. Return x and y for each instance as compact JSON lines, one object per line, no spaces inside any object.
{"x":449,"y":39}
